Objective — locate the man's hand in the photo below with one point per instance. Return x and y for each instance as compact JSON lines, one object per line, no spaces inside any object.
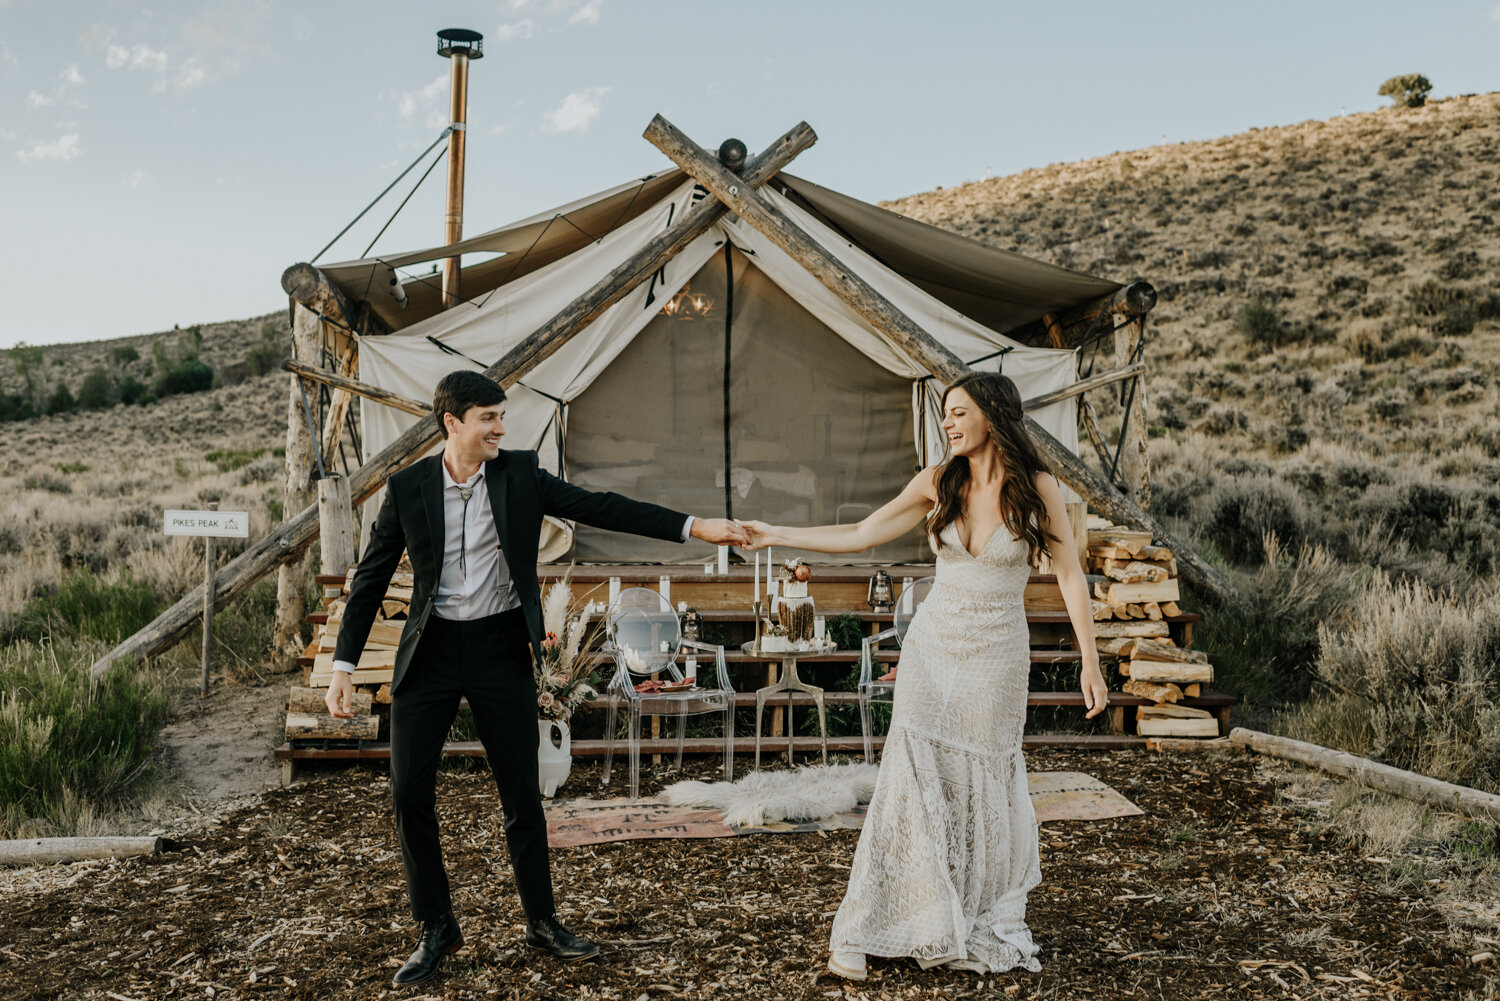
{"x":720,"y":531}
{"x":340,"y":697}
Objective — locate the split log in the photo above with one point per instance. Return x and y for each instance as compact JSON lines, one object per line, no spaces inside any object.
{"x":309,"y":701}
{"x":1151,"y":690}
{"x":1147,"y":650}
{"x":1172,"y":712}
{"x":1132,"y":541}
{"x":47,"y":851}
{"x":391,"y":608}
{"x":367,"y":676}
{"x":337,"y":549}
{"x":1170,"y":609}
{"x":1101,"y":610}
{"x":1196,"y":727}
{"x":1160,"y":670}
{"x":294,"y":535}
{"x":1118,"y":629}
{"x":383,"y":396}
{"x":1134,"y":571}
{"x":338,"y":406}
{"x":383,"y":695}
{"x":303,"y":727}
{"x":1165,"y":590}
{"x":1179,"y":744}
{"x":1435,"y":792}
{"x":1153,"y":611}
{"x":1115,"y":647}
{"x":881,"y":314}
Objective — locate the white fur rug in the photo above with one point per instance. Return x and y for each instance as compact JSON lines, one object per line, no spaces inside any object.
{"x":809,"y":793}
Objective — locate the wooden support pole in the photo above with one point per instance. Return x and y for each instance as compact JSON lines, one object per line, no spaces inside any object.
{"x":1435,"y":792}
{"x":926,"y":350}
{"x":208,"y":607}
{"x":335,"y":525}
{"x":1134,"y":468}
{"x":295,"y":533}
{"x":296,"y":493}
{"x":353,"y":386}
{"x":338,"y":406}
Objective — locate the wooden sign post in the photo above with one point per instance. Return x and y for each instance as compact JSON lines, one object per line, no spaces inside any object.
{"x":211,"y":524}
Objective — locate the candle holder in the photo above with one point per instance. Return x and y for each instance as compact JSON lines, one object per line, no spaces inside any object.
{"x":692,"y":624}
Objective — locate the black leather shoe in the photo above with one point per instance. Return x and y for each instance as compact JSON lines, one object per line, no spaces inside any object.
{"x":439,"y":939}
{"x":548,"y":934}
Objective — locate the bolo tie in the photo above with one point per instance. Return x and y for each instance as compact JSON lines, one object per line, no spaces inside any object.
{"x":463,"y":533}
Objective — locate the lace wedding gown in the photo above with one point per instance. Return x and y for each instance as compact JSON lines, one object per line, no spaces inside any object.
{"x":949,"y":846}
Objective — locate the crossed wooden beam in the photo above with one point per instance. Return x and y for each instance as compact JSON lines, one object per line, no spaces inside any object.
{"x":731,"y":192}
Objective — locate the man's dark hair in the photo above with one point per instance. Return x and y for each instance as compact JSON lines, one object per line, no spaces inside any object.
{"x":458,"y":391}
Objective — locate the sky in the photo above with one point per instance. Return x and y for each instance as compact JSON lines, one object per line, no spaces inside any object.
{"x":163,"y":164}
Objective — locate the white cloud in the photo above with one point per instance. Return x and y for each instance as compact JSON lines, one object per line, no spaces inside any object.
{"x":35,"y":100}
{"x":577,"y":111}
{"x":523,"y":28}
{"x":71,"y":77}
{"x":412,"y":101}
{"x":301,"y":28}
{"x":587,"y":14}
{"x":137,"y":179}
{"x":189,"y":76}
{"x":136,"y":57}
{"x":65,"y":148}
{"x":1495,"y":14}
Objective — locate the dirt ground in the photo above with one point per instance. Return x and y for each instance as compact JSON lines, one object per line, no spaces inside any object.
{"x":1216,"y":891}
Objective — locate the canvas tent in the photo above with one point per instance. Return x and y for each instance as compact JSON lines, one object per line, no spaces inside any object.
{"x":773,"y":400}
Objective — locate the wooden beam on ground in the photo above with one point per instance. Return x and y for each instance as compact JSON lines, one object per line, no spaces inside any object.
{"x":297,"y":531}
{"x":1435,"y":792}
{"x":1083,"y":386}
{"x":47,"y":851}
{"x":885,"y":317}
{"x":383,"y":396}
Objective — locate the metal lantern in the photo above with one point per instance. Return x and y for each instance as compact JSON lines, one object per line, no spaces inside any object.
{"x":881,"y":595}
{"x":692,"y":624}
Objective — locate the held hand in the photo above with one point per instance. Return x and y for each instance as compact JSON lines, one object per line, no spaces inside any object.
{"x":720,"y":531}
{"x":759,"y":533}
{"x":340,"y":697}
{"x":1095,"y":692}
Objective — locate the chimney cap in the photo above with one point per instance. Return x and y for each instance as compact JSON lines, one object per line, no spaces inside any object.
{"x":460,"y":41}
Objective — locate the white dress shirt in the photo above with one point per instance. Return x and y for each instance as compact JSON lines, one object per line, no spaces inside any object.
{"x":475,"y":579}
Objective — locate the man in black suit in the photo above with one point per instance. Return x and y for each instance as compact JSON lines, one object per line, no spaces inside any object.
{"x":470,"y":519}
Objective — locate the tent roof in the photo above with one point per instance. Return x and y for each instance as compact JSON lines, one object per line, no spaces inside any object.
{"x":998,"y":288}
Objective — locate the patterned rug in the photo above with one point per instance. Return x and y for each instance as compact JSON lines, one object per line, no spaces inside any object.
{"x":570,"y":823}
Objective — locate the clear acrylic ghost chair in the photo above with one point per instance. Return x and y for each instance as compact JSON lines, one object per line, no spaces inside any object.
{"x":645,"y":638}
{"x":871,"y":689}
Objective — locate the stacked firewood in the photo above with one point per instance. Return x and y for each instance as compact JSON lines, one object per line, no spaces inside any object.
{"x":1134,"y":591}
{"x":307,"y":716}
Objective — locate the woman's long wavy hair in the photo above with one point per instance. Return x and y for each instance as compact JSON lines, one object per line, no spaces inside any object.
{"x":1021,"y":507}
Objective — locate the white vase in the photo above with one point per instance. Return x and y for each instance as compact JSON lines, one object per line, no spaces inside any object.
{"x":553,"y":762}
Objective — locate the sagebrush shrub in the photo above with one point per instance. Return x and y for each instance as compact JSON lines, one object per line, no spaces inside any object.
{"x":1409,"y":90}
{"x":1238,"y":512}
{"x":1424,"y":669}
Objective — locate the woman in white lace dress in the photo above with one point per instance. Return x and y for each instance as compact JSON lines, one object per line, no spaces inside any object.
{"x":949,"y":846}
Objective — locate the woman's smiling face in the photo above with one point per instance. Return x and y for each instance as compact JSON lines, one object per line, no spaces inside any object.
{"x":964,"y":423}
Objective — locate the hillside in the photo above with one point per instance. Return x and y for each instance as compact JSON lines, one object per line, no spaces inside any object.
{"x":1327,"y":344}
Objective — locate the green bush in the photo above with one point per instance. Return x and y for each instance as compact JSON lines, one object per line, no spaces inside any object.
{"x":1409,"y":90}
{"x":83,"y":605}
{"x":124,"y":355}
{"x":846,"y":630}
{"x":97,"y":392}
{"x":187,"y":376}
{"x":230,"y":459}
{"x":67,"y":739}
{"x":15,"y":408}
{"x":1259,"y":322}
{"x":1240,"y":511}
{"x":61,"y":401}
{"x":133,"y":391}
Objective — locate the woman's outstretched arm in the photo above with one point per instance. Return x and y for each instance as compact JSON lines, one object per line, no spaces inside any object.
{"x":892,"y":521}
{"x":1074,"y":586}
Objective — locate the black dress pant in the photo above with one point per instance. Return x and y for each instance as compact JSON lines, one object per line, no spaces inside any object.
{"x":488,"y":661}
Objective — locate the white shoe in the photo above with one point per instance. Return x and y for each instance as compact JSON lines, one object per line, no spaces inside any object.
{"x":849,"y":965}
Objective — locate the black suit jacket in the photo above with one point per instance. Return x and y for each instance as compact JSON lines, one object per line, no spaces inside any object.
{"x":521,"y":492}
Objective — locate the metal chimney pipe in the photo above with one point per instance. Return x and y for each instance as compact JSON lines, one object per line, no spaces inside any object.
{"x":459,"y":46}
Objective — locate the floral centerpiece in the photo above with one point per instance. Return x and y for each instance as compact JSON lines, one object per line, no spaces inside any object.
{"x":563,"y":668}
